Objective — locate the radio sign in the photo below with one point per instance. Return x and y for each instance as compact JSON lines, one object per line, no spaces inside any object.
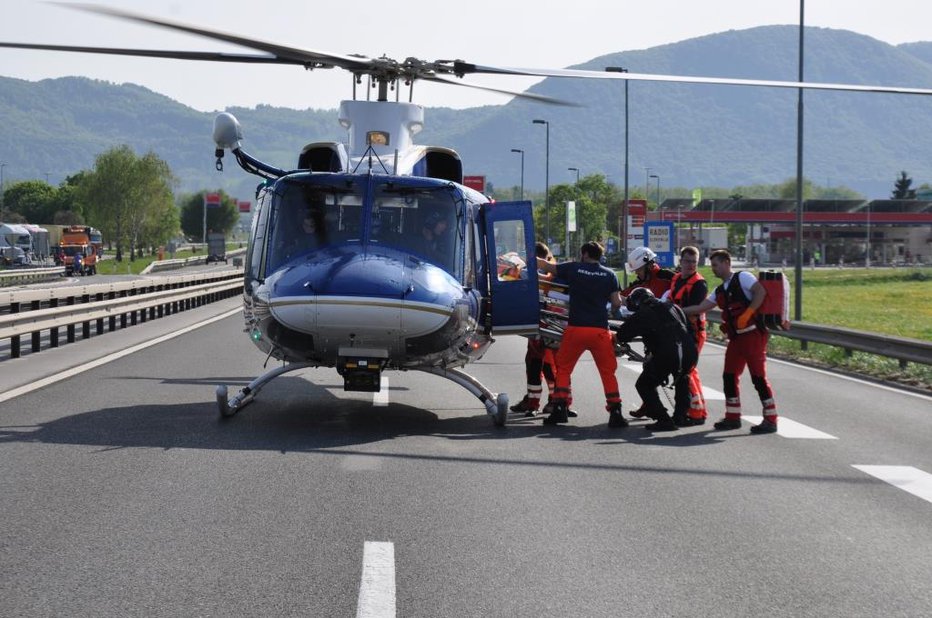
{"x":476,"y":183}
{"x":658,"y":235}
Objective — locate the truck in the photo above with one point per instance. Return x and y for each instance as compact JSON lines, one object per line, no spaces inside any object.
{"x":77,"y":240}
{"x":216,"y":248}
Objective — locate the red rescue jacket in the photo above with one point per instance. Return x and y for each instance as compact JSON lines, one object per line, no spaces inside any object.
{"x":680,"y":291}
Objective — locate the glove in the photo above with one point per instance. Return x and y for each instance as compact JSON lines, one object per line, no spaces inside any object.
{"x":744,"y":320}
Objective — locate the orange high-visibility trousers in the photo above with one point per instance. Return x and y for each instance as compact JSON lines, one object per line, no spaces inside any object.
{"x":598,"y":341}
{"x":697,"y":407}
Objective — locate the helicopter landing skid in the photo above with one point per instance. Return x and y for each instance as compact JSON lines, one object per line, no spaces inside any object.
{"x":246,"y":395}
{"x":496,"y":405}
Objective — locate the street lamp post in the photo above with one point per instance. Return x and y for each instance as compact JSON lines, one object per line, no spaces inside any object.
{"x":576,"y":191}
{"x":647,"y":177}
{"x":658,"y":193}
{"x":522,"y":170}
{"x":546,"y":123}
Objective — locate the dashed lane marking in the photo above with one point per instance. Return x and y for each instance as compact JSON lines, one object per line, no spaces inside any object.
{"x":907,"y":478}
{"x":380,"y":399}
{"x":377,"y":588}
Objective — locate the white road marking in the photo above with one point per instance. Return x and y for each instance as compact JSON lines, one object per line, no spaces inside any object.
{"x":377,"y":588}
{"x":708,"y":393}
{"x":907,"y":478}
{"x":380,"y":399}
{"x":789,"y":428}
{"x":67,"y":373}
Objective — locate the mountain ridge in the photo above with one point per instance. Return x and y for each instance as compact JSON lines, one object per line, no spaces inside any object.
{"x":690,"y":135}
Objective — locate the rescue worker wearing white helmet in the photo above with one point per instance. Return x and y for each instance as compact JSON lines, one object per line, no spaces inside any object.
{"x":642,"y":261}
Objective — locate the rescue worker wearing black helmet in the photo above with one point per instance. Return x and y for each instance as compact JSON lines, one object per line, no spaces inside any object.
{"x":670,"y":350}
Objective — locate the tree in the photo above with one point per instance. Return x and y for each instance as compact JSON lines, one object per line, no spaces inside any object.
{"x":125,"y":196}
{"x":33,"y":199}
{"x":220,"y":219}
{"x":901,"y":190}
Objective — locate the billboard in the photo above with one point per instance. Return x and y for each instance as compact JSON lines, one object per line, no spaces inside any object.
{"x":476,"y":183}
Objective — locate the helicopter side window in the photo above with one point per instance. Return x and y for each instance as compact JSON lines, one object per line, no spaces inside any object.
{"x":509,"y":249}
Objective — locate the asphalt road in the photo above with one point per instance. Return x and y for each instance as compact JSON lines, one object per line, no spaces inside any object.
{"x":123,"y":494}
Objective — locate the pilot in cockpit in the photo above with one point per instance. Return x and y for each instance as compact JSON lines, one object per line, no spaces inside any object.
{"x":434,"y":236}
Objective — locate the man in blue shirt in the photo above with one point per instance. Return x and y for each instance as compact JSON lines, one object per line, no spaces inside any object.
{"x":592,"y":287}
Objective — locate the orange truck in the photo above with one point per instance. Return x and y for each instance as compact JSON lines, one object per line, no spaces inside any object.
{"x":76,"y":241}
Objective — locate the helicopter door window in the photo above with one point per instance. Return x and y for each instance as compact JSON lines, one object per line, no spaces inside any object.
{"x":510,"y":251}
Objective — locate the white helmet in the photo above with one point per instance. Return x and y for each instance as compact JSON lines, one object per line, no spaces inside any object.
{"x":640,"y":256}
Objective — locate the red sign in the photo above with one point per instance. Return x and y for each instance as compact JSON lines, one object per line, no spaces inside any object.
{"x":475,"y":182}
{"x":637,"y":208}
{"x":212,"y":200}
{"x":245,"y":206}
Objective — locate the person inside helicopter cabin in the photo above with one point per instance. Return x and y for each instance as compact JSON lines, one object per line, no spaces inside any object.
{"x":434,"y":238}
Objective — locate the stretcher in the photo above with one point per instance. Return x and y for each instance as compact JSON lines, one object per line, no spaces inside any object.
{"x":554,"y":315}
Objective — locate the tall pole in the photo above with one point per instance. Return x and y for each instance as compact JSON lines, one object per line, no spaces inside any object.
{"x":2,"y":165}
{"x":546,"y":123}
{"x":646,"y":183}
{"x":658,"y":193}
{"x":522,"y":170}
{"x":623,"y":223}
{"x":798,"y":278}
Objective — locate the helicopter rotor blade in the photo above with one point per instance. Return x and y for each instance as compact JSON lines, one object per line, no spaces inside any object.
{"x":540,"y":98}
{"x":155,"y":53}
{"x":465,"y":68}
{"x":288,"y":55}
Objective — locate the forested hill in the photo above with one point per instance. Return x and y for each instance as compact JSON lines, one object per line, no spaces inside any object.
{"x":689,"y":135}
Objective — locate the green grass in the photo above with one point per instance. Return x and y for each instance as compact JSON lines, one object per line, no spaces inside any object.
{"x":111,"y":267}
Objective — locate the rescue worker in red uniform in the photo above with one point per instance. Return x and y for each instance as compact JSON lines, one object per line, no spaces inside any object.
{"x":539,"y":359}
{"x":642,"y":262}
{"x":592,"y":287}
{"x":670,"y":352}
{"x":739,"y":296}
{"x":689,"y":288}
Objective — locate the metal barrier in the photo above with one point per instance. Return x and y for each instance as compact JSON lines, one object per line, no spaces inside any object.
{"x":13,"y":276}
{"x":182,"y":262}
{"x":158,"y":297}
{"x":903,"y":349}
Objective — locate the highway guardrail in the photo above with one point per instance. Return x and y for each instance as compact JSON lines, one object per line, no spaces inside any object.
{"x":903,"y":349}
{"x":33,"y":312}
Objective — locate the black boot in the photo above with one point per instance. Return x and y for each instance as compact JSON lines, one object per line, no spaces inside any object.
{"x":615,"y":418}
{"x":559,"y":414}
{"x":663,"y":421}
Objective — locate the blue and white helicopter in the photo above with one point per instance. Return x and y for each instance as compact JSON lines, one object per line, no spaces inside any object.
{"x":371,"y":255}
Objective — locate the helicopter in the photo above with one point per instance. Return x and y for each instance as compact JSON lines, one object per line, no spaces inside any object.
{"x":372,"y":255}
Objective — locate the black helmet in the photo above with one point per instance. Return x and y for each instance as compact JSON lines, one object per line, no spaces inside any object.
{"x":634,"y":300}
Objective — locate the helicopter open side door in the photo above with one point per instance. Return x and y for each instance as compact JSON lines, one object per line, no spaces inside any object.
{"x":511,"y":266}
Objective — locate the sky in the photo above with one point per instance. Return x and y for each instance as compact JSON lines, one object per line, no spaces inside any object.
{"x":542,"y":34}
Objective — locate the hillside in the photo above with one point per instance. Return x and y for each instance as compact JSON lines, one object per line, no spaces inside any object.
{"x":689,"y":135}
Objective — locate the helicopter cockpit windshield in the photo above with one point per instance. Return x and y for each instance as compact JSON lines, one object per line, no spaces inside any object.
{"x":306,"y":217}
{"x":419,"y":220}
